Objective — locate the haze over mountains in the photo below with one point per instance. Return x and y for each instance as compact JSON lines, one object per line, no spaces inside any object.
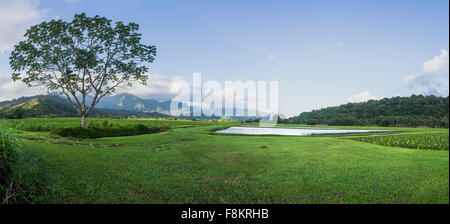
{"x":124,"y":105}
{"x":131,"y":102}
{"x":121,"y":105}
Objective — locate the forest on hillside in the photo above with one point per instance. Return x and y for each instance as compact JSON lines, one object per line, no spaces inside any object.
{"x":413,"y":111}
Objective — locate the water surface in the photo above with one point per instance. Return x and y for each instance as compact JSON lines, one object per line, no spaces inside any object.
{"x":290,"y":131}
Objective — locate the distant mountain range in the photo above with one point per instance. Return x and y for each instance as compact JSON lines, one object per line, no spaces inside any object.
{"x":56,"y":106}
{"x":124,"y":105}
{"x":416,"y":110}
{"x":131,"y":102}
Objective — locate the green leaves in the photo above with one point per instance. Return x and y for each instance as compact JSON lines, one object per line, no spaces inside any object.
{"x":413,"y":111}
{"x":10,"y":150}
{"x":87,"y":57}
{"x":430,"y":141}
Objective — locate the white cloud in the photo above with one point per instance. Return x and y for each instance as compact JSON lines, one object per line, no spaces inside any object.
{"x":340,"y":44}
{"x":11,"y":90}
{"x":15,"y":17}
{"x":361,"y":97}
{"x":158,"y":87}
{"x":271,"y":56}
{"x":438,"y":64}
{"x":434,"y":77}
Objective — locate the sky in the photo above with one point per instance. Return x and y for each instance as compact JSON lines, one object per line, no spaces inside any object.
{"x":322,"y":53}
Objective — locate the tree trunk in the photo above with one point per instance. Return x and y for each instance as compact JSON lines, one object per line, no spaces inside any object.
{"x":83,"y":121}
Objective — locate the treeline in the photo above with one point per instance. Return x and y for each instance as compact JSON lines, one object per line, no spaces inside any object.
{"x":413,"y":111}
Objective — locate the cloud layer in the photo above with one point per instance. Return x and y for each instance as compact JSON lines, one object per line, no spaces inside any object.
{"x":434,"y":77}
{"x":15,"y":17}
{"x":11,"y":90}
{"x":361,"y":97}
{"x":158,"y":87}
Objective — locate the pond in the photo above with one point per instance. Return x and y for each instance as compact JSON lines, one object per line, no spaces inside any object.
{"x":291,"y":131}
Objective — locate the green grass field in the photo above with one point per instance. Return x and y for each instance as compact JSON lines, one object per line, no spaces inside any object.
{"x":189,"y":164}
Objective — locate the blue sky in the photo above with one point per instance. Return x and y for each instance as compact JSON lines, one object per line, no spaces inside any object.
{"x":322,"y":53}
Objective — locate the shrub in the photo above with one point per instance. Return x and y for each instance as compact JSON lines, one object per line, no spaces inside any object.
{"x":9,"y":155}
{"x":344,"y":121}
{"x":256,"y":120}
{"x":312,"y":122}
{"x":102,"y":124}
{"x":106,"y":131}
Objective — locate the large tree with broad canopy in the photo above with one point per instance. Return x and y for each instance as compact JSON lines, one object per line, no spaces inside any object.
{"x":83,"y":60}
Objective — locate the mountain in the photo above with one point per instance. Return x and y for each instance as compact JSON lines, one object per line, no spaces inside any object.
{"x":36,"y":106}
{"x":413,"y":111}
{"x":129,"y":113}
{"x":131,"y":102}
{"x":56,"y":106}
{"x":121,"y":105}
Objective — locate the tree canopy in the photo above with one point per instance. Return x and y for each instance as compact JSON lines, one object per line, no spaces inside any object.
{"x":417,"y":110}
{"x":85,"y":58}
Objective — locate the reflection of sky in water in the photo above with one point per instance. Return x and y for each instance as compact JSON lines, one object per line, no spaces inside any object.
{"x":290,"y":131}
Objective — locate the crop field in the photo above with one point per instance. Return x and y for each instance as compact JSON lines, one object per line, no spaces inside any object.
{"x":49,"y":124}
{"x":430,"y":141}
{"x":187,"y":163}
{"x":10,"y":166}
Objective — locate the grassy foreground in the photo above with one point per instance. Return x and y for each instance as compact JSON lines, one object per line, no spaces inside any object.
{"x":190,"y":165}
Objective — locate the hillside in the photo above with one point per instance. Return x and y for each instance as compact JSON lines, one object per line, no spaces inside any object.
{"x":55,"y":106}
{"x":121,"y":105}
{"x":131,"y":102}
{"x":413,"y":111}
{"x":37,"y":106}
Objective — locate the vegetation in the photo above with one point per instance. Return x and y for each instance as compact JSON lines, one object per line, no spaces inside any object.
{"x":18,"y":113}
{"x":130,"y":102}
{"x":9,"y":153}
{"x":82,"y":59}
{"x":430,"y":141}
{"x":106,"y":131}
{"x":252,"y":120}
{"x":186,"y":164}
{"x":50,"y":124}
{"x":37,"y":106}
{"x":11,"y":166}
{"x":176,"y":160}
{"x":414,"y":111}
{"x":54,"y":106}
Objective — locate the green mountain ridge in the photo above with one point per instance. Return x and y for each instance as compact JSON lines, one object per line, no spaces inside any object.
{"x":131,"y":102}
{"x":56,"y":106}
{"x":124,"y":105}
{"x":38,"y":106}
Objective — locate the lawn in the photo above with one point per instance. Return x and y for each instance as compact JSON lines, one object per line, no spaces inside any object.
{"x":188,"y":164}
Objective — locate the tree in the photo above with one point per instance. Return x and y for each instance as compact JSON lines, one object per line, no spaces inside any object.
{"x":444,"y":121}
{"x":416,"y":110}
{"x":83,"y":60}
{"x":18,"y":113}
